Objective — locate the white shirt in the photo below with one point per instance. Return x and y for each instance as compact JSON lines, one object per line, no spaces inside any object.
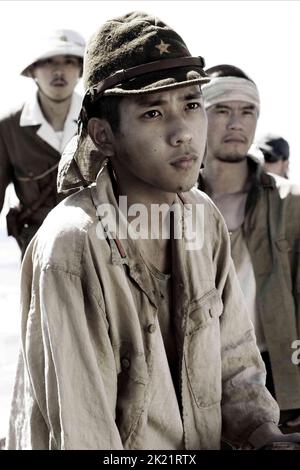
{"x":32,"y":115}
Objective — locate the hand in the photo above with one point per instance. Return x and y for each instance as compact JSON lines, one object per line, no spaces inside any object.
{"x":293,"y":437}
{"x":268,"y":434}
{"x":284,"y":442}
{"x":293,"y":423}
{"x":282,"y":446}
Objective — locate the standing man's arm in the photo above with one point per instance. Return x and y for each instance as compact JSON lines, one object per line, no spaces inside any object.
{"x":5,"y":168}
{"x":292,"y":236}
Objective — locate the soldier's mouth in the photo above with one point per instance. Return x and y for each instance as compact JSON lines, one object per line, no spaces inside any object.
{"x":59,"y":83}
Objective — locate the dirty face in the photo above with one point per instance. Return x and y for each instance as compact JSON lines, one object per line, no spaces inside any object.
{"x":161,"y":139}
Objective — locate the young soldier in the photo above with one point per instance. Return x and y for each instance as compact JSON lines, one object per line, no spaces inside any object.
{"x":137,"y":344}
{"x":33,"y":136}
{"x":262,"y":215}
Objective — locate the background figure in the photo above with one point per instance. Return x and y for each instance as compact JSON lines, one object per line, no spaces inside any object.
{"x":262,"y":213}
{"x":276,"y":151}
{"x":33,"y":136}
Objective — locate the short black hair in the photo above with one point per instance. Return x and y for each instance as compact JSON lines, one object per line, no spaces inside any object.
{"x":226,"y":70}
{"x":274,"y":147}
{"x":107,"y":107}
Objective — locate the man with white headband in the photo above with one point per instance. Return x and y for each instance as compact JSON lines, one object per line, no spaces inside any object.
{"x":262,"y":214}
{"x":33,"y":135}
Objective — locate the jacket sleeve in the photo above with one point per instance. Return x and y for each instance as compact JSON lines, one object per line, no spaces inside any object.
{"x":292,"y":236}
{"x":5,"y":165}
{"x":246,"y":403}
{"x":70,"y":394}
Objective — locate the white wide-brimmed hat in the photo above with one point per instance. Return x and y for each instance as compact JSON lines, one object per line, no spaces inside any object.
{"x":58,"y":42}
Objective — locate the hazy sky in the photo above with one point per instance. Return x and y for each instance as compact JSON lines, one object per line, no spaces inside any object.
{"x":261,"y":37}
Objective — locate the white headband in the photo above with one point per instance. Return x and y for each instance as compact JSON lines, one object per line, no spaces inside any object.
{"x":221,"y":89}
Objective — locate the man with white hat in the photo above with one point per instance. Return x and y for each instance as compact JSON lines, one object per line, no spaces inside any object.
{"x":262,"y":212}
{"x":33,"y":136}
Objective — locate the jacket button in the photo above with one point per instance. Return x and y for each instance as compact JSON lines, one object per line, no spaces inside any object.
{"x":151,"y":328}
{"x":125,"y":363}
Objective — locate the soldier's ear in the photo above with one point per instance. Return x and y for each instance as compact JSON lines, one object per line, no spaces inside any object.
{"x":102,"y":135}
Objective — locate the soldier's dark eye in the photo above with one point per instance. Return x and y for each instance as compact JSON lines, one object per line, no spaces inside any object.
{"x":194,"y":105}
{"x":152,"y":114}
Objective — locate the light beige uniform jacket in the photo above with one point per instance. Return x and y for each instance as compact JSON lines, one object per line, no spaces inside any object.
{"x":92,"y":345}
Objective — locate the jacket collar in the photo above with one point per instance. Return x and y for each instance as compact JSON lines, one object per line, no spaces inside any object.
{"x":124,"y":249}
{"x":32,"y":116}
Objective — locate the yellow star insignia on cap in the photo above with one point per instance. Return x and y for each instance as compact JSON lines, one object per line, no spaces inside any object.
{"x":163,"y":47}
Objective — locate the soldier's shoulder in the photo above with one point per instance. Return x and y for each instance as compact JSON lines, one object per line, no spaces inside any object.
{"x":60,"y":240}
{"x":196,"y":196}
{"x":212,"y":216}
{"x":286,"y":187}
{"x":11,"y":114}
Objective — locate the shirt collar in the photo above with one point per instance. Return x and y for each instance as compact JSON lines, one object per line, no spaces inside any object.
{"x":123,"y":250}
{"x":32,"y":114}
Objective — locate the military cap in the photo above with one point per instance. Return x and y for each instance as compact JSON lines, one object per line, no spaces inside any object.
{"x":130,"y":55}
